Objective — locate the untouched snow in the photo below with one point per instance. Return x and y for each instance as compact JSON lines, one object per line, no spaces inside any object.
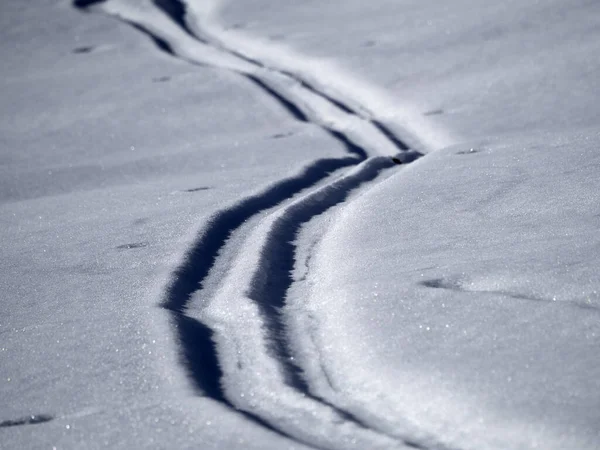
{"x":206,"y":242}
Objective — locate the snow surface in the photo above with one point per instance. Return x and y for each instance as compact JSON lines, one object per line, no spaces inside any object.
{"x":206,"y":242}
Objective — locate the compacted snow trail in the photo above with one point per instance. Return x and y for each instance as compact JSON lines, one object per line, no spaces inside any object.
{"x":234,"y":337}
{"x":235,"y":343}
{"x":355,"y":126}
{"x":258,"y":373}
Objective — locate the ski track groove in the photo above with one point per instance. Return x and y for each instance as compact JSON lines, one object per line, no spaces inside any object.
{"x":271,"y":256}
{"x":273,"y":276}
{"x":201,"y":256}
{"x":272,"y":279}
{"x":267,"y":78}
{"x":339,"y":103}
{"x":199,"y":355}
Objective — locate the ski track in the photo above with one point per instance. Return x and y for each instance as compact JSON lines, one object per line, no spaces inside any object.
{"x":251,"y":331}
{"x":236,"y":340}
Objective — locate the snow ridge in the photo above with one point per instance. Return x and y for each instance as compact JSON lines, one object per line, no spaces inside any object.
{"x":198,"y":351}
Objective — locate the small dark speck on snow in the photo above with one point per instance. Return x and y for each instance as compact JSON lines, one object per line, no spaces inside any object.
{"x":87,"y":49}
{"x":133,"y":245}
{"x":468,"y":152}
{"x":198,"y":189}
{"x":281,"y":135}
{"x":29,"y":420}
{"x":86,"y":3}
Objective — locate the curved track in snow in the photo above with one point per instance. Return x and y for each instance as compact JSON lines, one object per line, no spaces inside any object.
{"x":228,"y":297}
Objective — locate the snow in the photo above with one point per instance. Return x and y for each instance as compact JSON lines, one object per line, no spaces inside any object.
{"x":485,"y":295}
{"x":206,"y":242}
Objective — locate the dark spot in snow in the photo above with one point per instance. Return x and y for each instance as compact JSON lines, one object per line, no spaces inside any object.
{"x":29,"y":420}
{"x":413,"y":444}
{"x":160,"y":79}
{"x":201,"y":188}
{"x":176,"y":9}
{"x":369,"y":43}
{"x":281,"y":135}
{"x":585,"y":305}
{"x":471,"y":151}
{"x":133,"y":245}
{"x":86,"y":49}
{"x":435,"y":112}
{"x":237,"y":26}
{"x":440,"y":283}
{"x":85,"y":3}
{"x":406,"y":157}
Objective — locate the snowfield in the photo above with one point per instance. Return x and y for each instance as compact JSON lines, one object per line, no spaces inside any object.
{"x":319,"y":224}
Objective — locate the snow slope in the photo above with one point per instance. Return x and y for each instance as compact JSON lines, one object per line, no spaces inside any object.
{"x":485,"y":294}
{"x":208,"y":240}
